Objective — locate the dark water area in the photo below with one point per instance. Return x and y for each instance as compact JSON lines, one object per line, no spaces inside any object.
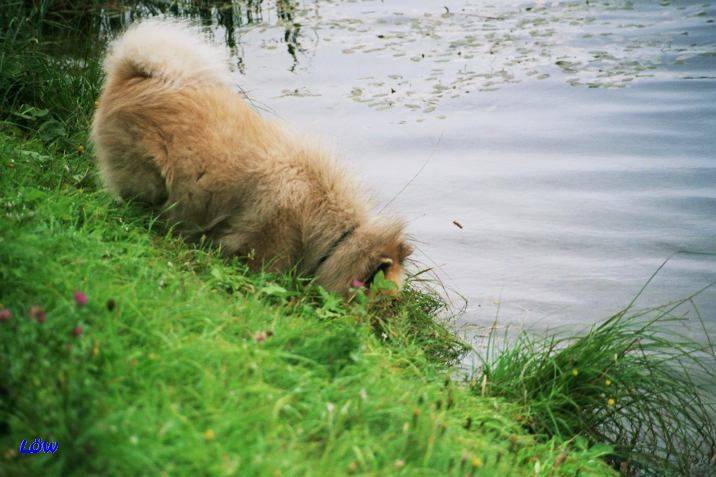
{"x":574,"y":142}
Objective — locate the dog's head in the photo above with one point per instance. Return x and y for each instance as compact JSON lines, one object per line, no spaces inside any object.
{"x":374,"y":247}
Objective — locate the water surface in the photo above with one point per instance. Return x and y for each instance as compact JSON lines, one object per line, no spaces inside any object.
{"x":573,"y":142}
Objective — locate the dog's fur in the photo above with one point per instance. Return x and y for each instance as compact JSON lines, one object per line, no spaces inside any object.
{"x":169,"y":130}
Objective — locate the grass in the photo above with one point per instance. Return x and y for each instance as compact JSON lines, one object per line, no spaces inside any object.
{"x":183,"y":364}
{"x":47,"y":87}
{"x":631,"y":381}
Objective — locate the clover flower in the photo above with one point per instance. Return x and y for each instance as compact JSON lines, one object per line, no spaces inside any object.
{"x":80,"y":298}
{"x":5,"y":314}
{"x":260,"y":337}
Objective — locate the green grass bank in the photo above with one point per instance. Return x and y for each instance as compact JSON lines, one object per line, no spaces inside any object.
{"x":181,"y":364}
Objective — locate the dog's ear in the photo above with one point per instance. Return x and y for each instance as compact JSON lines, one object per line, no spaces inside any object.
{"x":404,"y":251}
{"x":392,"y":270}
{"x":390,"y":263}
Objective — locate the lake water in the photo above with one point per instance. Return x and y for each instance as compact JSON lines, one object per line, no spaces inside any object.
{"x":574,"y":142}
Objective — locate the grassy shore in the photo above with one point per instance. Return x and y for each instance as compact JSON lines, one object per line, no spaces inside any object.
{"x":144,"y":355}
{"x":184,"y":364}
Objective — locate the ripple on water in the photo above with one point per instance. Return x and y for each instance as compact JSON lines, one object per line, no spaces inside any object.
{"x":572,"y":140}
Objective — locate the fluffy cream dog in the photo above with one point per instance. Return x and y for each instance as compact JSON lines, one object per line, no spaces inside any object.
{"x":171,"y":131}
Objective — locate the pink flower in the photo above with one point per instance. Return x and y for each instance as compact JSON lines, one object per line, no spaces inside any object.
{"x":260,"y":337}
{"x":80,"y":298}
{"x":357,"y":284}
{"x":5,"y":314}
{"x":37,"y":313}
{"x":77,"y":331}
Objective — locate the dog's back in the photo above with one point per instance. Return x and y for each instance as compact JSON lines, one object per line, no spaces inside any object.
{"x":169,"y":130}
{"x":146,"y":70}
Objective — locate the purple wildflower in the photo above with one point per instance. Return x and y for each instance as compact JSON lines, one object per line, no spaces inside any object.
{"x":5,"y":314}
{"x":80,"y":298}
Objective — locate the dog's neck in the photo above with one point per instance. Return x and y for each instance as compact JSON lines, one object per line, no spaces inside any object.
{"x":342,"y":238}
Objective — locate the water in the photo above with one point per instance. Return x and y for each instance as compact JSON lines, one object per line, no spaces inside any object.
{"x":574,"y":142}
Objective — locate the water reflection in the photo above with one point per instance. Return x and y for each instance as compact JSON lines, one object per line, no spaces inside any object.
{"x":76,"y":29}
{"x":573,"y":140}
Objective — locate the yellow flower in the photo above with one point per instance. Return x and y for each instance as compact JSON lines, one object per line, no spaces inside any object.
{"x":611,"y":402}
{"x":608,"y":382}
{"x":80,"y":149}
{"x":476,"y":462}
{"x":575,"y":372}
{"x":209,"y":435}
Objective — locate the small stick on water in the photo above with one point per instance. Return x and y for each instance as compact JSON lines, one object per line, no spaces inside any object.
{"x":457,"y":224}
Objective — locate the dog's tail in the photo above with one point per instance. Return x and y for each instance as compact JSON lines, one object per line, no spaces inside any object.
{"x":170,"y":50}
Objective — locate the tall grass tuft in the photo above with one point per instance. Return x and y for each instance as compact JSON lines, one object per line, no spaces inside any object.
{"x":49,"y":68}
{"x":634,"y":382}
